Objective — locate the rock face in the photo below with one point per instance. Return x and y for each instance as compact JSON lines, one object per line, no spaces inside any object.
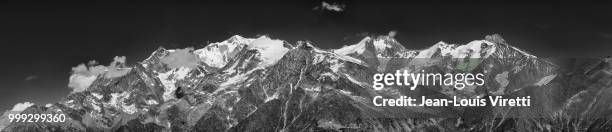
{"x":263,"y":84}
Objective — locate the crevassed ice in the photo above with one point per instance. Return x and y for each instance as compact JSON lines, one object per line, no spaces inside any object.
{"x":117,"y":101}
{"x":168,"y":80}
{"x":213,"y":56}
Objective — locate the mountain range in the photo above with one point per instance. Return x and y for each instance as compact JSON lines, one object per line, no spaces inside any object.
{"x":265,"y":84}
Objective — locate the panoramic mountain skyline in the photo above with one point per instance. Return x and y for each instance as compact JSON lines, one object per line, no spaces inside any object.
{"x":45,"y":43}
{"x":241,"y":83}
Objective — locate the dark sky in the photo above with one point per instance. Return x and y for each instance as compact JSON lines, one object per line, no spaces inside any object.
{"x":41,"y":42}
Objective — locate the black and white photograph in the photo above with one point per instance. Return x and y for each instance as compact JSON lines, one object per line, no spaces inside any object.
{"x":306,"y":66}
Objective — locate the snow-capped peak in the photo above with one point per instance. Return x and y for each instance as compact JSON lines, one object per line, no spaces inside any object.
{"x":270,"y":50}
{"x":219,"y":54}
{"x":239,"y":39}
{"x":355,"y":48}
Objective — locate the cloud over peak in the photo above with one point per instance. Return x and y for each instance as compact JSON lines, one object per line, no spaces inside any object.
{"x":181,"y":58}
{"x":84,"y":75}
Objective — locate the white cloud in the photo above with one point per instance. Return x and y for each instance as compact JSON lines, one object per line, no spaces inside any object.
{"x":330,"y":7}
{"x":21,"y":106}
{"x":181,"y":58}
{"x":80,"y":82}
{"x":117,"y":68}
{"x":84,"y":75}
{"x":118,"y":60}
